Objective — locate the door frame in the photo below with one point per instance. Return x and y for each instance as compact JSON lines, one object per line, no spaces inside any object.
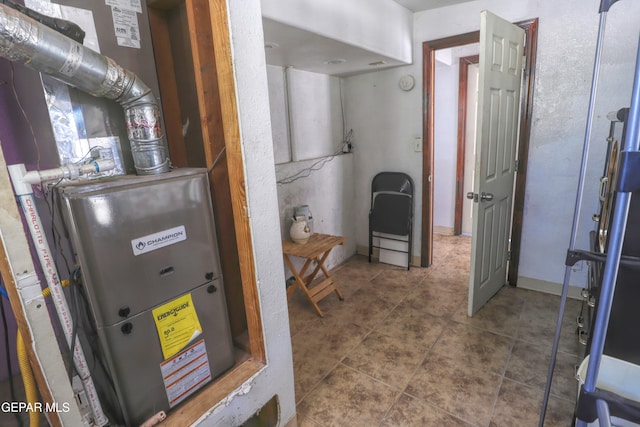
{"x":428,"y":109}
{"x":465,"y":61}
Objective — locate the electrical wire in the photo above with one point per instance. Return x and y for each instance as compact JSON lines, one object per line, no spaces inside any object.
{"x":215,"y":161}
{"x":5,"y":328}
{"x":24,"y":114}
{"x":304,"y":173}
{"x":73,"y":283}
{"x":346,"y":135}
{"x":345,"y":146}
{"x":86,"y":324}
{"x":55,"y":234}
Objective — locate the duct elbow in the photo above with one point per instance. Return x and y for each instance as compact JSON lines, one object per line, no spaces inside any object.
{"x":144,"y":129}
{"x":25,"y":40}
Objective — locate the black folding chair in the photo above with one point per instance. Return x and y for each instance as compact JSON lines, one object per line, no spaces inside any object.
{"x":391,"y":211}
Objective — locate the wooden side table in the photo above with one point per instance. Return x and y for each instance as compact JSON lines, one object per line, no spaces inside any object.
{"x":316,"y":249}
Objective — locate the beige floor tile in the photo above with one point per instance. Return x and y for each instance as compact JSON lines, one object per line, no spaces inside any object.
{"x":482,"y":350}
{"x":449,"y":272}
{"x":520,"y":405}
{"x":349,"y":286}
{"x":540,"y":326}
{"x":458,"y":389}
{"x":411,"y":323}
{"x":437,"y":302}
{"x":350,"y":366}
{"x":364,"y":308}
{"x":500,"y":315}
{"x":318,"y":350}
{"x":347,"y":397}
{"x":302,"y":316}
{"x":529,"y":364}
{"x":411,"y":412}
{"x":390,"y":360}
{"x":306,"y":422}
{"x":358,"y":267}
{"x":395,"y":284}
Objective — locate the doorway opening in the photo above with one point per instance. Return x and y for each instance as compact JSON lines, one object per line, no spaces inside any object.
{"x":465,"y":157}
{"x":429,"y":49}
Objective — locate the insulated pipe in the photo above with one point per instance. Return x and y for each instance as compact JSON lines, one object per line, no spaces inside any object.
{"x":25,"y":40}
{"x":27,"y":203}
{"x":31,"y":391}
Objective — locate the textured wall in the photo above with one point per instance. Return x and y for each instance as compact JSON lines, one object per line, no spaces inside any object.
{"x":253,"y":108}
{"x":385,"y":118}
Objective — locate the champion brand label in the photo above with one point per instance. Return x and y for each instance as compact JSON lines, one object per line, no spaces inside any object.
{"x":154,"y":241}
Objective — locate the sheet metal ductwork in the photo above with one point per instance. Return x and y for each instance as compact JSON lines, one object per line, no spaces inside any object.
{"x":25,"y":40}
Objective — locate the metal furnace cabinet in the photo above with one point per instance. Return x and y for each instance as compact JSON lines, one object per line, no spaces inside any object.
{"x":151,"y":270}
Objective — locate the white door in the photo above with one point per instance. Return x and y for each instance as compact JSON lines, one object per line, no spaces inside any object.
{"x":501,"y":56}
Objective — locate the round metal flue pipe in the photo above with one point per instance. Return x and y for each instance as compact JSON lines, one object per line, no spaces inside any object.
{"x":25,"y":40}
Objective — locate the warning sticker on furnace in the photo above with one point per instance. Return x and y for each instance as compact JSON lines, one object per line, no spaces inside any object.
{"x":185,"y":373}
{"x":177,"y":324}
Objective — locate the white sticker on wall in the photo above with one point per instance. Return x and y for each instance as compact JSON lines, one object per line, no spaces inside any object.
{"x":125,"y":26}
{"x":158,"y":240}
{"x":125,"y":4}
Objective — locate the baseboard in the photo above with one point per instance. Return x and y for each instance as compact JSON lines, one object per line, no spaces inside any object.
{"x":548,"y":287}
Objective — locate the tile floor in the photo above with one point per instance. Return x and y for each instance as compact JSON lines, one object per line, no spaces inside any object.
{"x":401,"y":351}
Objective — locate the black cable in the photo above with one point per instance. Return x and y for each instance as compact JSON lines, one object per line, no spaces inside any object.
{"x":74,"y":321}
{"x":109,"y":396}
{"x":55,"y":234}
{"x":8,"y":356}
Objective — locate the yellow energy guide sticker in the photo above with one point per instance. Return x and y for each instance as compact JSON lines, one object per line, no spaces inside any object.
{"x":177,"y":324}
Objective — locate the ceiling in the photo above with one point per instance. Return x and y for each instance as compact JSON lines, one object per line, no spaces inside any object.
{"x":289,"y":46}
{"x":420,"y":5}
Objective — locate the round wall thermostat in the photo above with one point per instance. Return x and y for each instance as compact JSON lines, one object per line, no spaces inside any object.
{"x":406,"y":82}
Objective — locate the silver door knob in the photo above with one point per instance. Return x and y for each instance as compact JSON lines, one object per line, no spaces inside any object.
{"x":486,"y":197}
{"x":470,"y":195}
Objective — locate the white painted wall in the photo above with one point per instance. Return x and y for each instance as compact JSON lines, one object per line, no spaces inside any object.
{"x":329,"y":192}
{"x":381,"y":26}
{"x":385,"y":119}
{"x":278,"y":107}
{"x":315,"y":114}
{"x":326,"y":182}
{"x":306,"y":114}
{"x":253,"y":109}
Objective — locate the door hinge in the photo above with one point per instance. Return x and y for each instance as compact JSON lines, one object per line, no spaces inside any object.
{"x":517,"y":166}
{"x":508,"y":255}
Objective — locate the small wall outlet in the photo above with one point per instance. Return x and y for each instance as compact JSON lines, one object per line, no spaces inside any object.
{"x":417,"y":145}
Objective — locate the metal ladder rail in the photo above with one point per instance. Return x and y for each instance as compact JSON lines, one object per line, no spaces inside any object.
{"x":576,"y":214}
{"x":628,"y":179}
{"x":605,"y":5}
